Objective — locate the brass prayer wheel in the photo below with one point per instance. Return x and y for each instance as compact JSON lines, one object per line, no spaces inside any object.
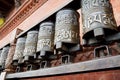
{"x":67,"y":30}
{"x":20,"y":45}
{"x":46,"y":37}
{"x":4,"y":54}
{"x":98,"y":19}
{"x":30,"y":45}
{"x":67,"y":26}
{"x":45,"y":43}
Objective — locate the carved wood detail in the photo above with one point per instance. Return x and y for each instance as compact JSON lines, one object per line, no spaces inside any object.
{"x":21,"y":14}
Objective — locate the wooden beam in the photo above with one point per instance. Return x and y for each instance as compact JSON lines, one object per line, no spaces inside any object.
{"x":92,"y":65}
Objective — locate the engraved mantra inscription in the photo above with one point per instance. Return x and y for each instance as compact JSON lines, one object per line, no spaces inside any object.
{"x":30,"y":49}
{"x":66,"y":34}
{"x":67,"y":27}
{"x":31,"y":43}
{"x":46,"y":30}
{"x":106,"y":19}
{"x":66,"y":18}
{"x":19,"y":50}
{"x":45,"y":40}
{"x":97,"y":13}
{"x":87,"y":4}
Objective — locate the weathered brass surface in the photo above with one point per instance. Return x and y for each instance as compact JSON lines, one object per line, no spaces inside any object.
{"x":31,"y":44}
{"x":46,"y":37}
{"x":67,"y":26}
{"x":98,"y":19}
{"x":4,"y":54}
{"x":20,"y":45}
{"x":67,"y":31}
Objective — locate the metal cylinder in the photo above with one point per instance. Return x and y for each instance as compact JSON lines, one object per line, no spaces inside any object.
{"x":20,"y":45}
{"x":98,"y":19}
{"x":4,"y":54}
{"x":46,"y":37}
{"x":31,"y":43}
{"x":67,"y":26}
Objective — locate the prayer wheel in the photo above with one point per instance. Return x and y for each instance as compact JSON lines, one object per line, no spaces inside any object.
{"x":30,"y":45}
{"x":20,"y":45}
{"x":45,"y":43}
{"x":46,"y":37}
{"x":4,"y":54}
{"x":66,"y":28}
{"x":98,"y":19}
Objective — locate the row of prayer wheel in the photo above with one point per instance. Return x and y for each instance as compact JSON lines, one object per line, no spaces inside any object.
{"x":66,"y":29}
{"x":98,"y":22}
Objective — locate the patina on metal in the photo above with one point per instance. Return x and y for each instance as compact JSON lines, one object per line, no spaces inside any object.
{"x":30,"y":45}
{"x":98,"y":19}
{"x":4,"y":54}
{"x":20,"y":45}
{"x":66,"y":29}
{"x":45,"y":43}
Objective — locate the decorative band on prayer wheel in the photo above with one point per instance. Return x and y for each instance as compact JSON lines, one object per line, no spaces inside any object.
{"x":31,"y":43}
{"x":4,"y":54}
{"x":20,"y":45}
{"x":67,"y":26}
{"x":46,"y":37}
{"x":98,"y":19}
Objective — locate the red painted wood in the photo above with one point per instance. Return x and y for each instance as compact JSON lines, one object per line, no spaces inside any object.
{"x":101,"y":75}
